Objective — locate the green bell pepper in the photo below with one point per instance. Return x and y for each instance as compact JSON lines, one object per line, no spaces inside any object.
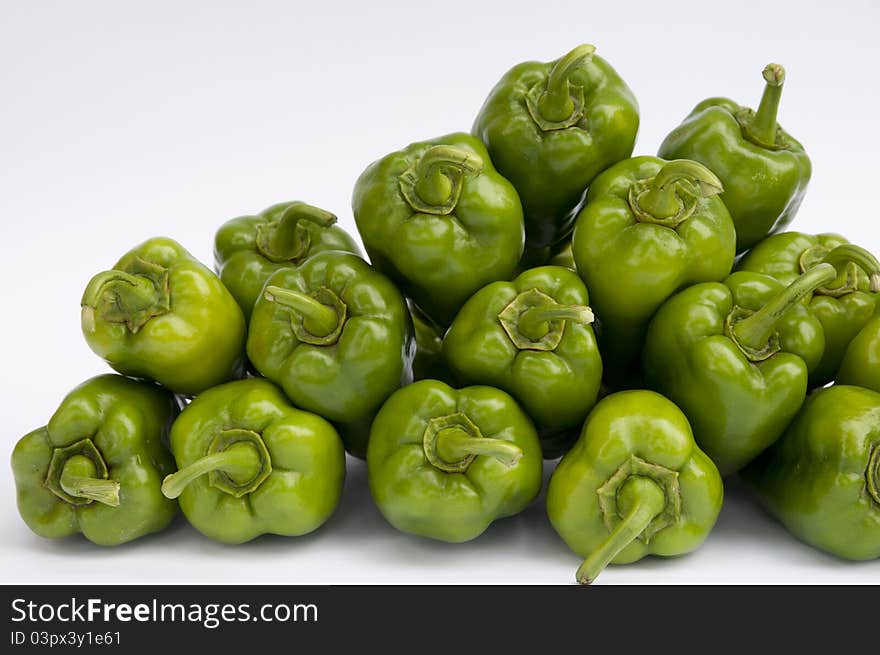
{"x":765,"y":171}
{"x":97,"y":467}
{"x":551,"y":128}
{"x":248,"y":249}
{"x":822,"y":478}
{"x":843,"y":307}
{"x":252,"y":464}
{"x":634,"y":484}
{"x":439,"y":220}
{"x":861,"y":362}
{"x":648,"y":229}
{"x":335,"y":334}
{"x":161,"y":314}
{"x":445,"y":463}
{"x":532,"y":338}
{"x":735,"y":357}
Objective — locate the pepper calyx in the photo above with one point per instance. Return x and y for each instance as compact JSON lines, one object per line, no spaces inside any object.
{"x":663,"y":477}
{"x":534,"y":320}
{"x":557,"y":103}
{"x":317,"y":318}
{"x":130,"y":297}
{"x":432,"y":184}
{"x":672,"y":195}
{"x":237,"y":462}
{"x":288,"y":238}
{"x":452,"y":442}
{"x":639,"y":500}
{"x":79,"y":475}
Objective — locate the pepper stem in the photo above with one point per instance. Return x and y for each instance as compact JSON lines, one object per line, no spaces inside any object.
{"x":761,"y":129}
{"x":319,"y":319}
{"x":661,"y":196}
{"x":434,"y":183}
{"x":454,"y":444}
{"x":286,"y":238}
{"x":555,"y":103}
{"x":77,"y":479}
{"x":849,"y":253}
{"x":753,"y":333}
{"x":129,"y":299}
{"x":534,"y":322}
{"x":241,"y":462}
{"x":645,"y":500}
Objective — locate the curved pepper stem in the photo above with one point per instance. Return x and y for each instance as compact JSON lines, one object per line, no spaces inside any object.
{"x":319,"y":319}
{"x":848,"y":253}
{"x":451,"y":443}
{"x":641,"y":500}
{"x":753,"y":333}
{"x":761,"y":129}
{"x":664,"y":198}
{"x":78,"y":479}
{"x":534,"y":323}
{"x":240,"y":462}
{"x":287,"y":239}
{"x":133,"y":300}
{"x":454,"y":444}
{"x":555,"y":103}
{"x":432,"y":185}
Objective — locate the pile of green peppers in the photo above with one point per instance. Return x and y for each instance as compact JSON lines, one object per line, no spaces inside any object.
{"x":533,"y":291}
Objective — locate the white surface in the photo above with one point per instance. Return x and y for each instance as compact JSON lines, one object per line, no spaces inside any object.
{"x":121,"y":122}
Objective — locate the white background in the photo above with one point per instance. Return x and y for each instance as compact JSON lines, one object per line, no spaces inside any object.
{"x":119,"y":122}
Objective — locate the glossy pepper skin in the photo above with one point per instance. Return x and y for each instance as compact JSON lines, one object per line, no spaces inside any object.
{"x":335,"y":334}
{"x":161,"y":314}
{"x":551,"y":128}
{"x":532,"y":338}
{"x":861,"y":362}
{"x":821,"y":480}
{"x":97,"y":467}
{"x":563,"y":256}
{"x":248,"y":249}
{"x":844,"y":306}
{"x":735,"y":356}
{"x":440,"y":221}
{"x":648,"y":228}
{"x":765,"y":171}
{"x":634,"y":484}
{"x":252,"y":464}
{"x":445,"y":463}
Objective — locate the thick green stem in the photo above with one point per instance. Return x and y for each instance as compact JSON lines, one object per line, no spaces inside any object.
{"x":241,"y":462}
{"x":641,"y":500}
{"x":455,"y":444}
{"x":661,"y":196}
{"x":555,"y":103}
{"x":436,"y":168}
{"x":762,"y":127}
{"x":286,"y":239}
{"x":753,"y":333}
{"x":319,"y":319}
{"x":846,"y":253}
{"x":78,"y":479}
{"x":534,"y":323}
